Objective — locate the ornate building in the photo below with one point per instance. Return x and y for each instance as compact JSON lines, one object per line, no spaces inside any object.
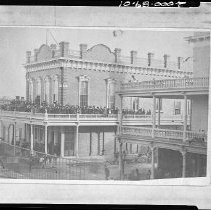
{"x":57,"y":74}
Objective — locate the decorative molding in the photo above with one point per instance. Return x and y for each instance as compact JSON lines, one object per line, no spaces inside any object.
{"x":106,"y":67}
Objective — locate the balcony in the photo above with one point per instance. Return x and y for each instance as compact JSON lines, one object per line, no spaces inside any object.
{"x":86,"y":119}
{"x":167,"y":85}
{"x":165,"y":135}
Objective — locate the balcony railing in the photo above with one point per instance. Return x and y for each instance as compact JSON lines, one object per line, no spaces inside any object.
{"x":200,"y":82}
{"x":127,"y":118}
{"x":163,"y":133}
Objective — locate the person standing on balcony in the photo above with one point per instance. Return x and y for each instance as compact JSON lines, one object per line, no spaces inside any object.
{"x":138,"y":175}
{"x":149,"y":174}
{"x":107,"y":172}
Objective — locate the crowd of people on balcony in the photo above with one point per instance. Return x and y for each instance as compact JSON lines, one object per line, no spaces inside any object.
{"x":26,"y":106}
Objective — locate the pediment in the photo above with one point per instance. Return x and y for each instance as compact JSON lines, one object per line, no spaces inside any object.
{"x":44,"y":53}
{"x":100,"y":52}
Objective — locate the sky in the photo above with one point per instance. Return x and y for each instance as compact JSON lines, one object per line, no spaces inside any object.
{"x":15,"y":41}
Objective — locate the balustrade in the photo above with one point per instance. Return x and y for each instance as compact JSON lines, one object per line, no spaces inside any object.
{"x":136,"y":131}
{"x":67,"y":116}
{"x":88,"y":116}
{"x":166,"y":133}
{"x":171,"y":83}
{"x":163,"y":133}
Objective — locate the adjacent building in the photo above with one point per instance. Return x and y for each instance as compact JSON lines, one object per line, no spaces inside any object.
{"x":183,"y":151}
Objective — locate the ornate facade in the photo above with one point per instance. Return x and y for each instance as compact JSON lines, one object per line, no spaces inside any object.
{"x":57,"y":74}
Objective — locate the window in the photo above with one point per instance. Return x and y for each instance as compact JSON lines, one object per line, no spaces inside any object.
{"x":36,"y":133}
{"x":135,"y":103}
{"x":31,"y":90}
{"x":56,"y":89}
{"x":83,"y":90}
{"x":41,"y":135}
{"x":188,"y":107}
{"x":110,"y":85}
{"x":47,"y":89}
{"x":177,"y":107}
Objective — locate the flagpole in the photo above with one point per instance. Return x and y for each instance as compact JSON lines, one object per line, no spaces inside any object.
{"x":46,"y":41}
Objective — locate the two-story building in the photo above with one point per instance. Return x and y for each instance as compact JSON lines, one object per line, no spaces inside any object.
{"x":88,"y":77}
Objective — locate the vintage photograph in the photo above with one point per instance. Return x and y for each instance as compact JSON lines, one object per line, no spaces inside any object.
{"x":103,"y":103}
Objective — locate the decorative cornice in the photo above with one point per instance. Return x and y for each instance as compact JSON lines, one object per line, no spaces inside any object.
{"x":197,"y":38}
{"x":105,"y":67}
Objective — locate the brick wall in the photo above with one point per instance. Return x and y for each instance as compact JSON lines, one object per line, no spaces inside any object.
{"x":97,"y":84}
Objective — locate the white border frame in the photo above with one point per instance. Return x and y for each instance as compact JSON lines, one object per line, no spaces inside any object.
{"x":144,"y":18}
{"x":201,"y":181}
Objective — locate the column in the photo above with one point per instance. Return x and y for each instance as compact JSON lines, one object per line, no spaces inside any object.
{"x":32,"y":138}
{"x":185,"y":118}
{"x":90,"y":144}
{"x":56,"y":141}
{"x":120,"y":114}
{"x":153,"y":116}
{"x":190,"y":114}
{"x":26,"y":132}
{"x":46,"y":139}
{"x":98,"y":143}
{"x":152,"y":175}
{"x":114,"y":143}
{"x":14,"y":137}
{"x":159,"y":101}
{"x":62,"y":141}
{"x":103,"y":146}
{"x":76,"y":141}
{"x":157,"y":157}
{"x":62,"y":86}
{"x":183,"y":152}
{"x":1,"y":129}
{"x":121,"y":174}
